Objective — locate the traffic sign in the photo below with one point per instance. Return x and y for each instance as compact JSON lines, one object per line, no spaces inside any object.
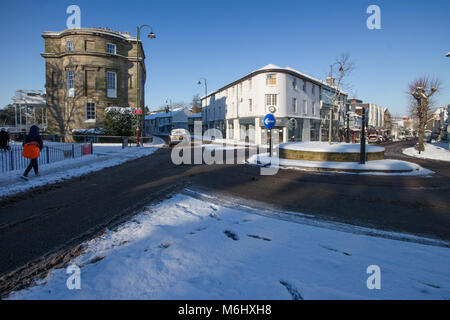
{"x":137,"y":111}
{"x":269,"y":121}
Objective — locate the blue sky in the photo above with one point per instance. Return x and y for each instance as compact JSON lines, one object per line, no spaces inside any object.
{"x":224,"y":40}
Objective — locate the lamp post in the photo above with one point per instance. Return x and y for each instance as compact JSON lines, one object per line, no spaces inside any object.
{"x":206,"y":93}
{"x":170,"y":108}
{"x":206,"y":85}
{"x":151,"y":35}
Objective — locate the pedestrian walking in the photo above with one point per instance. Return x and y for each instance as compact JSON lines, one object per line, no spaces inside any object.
{"x":4,"y":140}
{"x":32,"y":146}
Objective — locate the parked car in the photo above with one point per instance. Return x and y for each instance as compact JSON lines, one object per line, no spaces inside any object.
{"x":178,"y":135}
{"x":373,"y":138}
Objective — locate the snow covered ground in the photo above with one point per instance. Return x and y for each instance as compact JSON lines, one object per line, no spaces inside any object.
{"x":105,"y":155}
{"x":379,"y":167}
{"x":435,"y":151}
{"x":193,"y":247}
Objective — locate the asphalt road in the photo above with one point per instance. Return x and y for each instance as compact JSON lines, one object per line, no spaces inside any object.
{"x":43,"y":228}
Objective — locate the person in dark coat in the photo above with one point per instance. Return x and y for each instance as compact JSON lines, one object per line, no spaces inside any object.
{"x":33,"y":135}
{"x":4,"y":139}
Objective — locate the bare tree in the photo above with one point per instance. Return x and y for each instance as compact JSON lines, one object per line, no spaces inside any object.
{"x":420,"y":92}
{"x":61,"y":107}
{"x":340,"y":70}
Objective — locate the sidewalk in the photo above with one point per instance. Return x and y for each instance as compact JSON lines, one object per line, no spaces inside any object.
{"x":105,"y":155}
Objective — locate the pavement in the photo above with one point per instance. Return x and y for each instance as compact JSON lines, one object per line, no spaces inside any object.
{"x":45,"y":227}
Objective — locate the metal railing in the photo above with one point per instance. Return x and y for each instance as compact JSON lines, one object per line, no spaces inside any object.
{"x":11,"y":160}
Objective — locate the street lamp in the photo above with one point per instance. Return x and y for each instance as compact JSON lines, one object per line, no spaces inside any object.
{"x":206,"y":85}
{"x":151,"y":35}
{"x":170,"y":108}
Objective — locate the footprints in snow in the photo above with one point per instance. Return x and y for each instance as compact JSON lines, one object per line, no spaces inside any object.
{"x":335,"y":250}
{"x":235,"y":237}
{"x":259,"y":237}
{"x":165,"y":245}
{"x":295,"y":294}
{"x":231,"y":235}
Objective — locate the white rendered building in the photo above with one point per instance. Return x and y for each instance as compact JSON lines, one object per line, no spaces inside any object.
{"x":238,"y":109}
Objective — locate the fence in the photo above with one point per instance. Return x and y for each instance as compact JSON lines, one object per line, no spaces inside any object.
{"x":12,"y":159}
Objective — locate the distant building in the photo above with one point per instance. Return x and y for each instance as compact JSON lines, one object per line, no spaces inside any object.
{"x":30,"y":108}
{"x":88,"y":70}
{"x":163,"y":121}
{"x":375,"y":116}
{"x":387,"y":125}
{"x":296,"y":99}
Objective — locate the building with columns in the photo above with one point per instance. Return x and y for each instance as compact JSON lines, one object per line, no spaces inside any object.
{"x":88,"y":70}
{"x":296,"y":99}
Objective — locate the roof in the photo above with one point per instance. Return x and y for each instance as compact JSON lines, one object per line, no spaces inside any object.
{"x":274,"y":68}
{"x":105,"y":31}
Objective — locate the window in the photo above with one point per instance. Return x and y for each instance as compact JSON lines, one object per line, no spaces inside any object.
{"x":90,"y":111}
{"x":313,"y":110}
{"x":70,"y":83}
{"x":111,"y":48}
{"x":271,"y":99}
{"x":313,"y":89}
{"x":250,"y":106}
{"x":111,"y":84}
{"x":250,"y":84}
{"x":294,"y":83}
{"x":271,"y":79}
{"x":305,"y":107}
{"x":69,"y":45}
{"x":304,"y":86}
{"x":294,"y":105}
{"x":89,"y":45}
{"x":230,"y":129}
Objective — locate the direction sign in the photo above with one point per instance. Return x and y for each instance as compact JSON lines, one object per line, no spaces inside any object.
{"x":269,"y":121}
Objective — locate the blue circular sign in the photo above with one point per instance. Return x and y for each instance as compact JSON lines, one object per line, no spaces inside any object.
{"x":269,"y":121}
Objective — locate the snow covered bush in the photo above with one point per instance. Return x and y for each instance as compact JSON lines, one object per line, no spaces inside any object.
{"x":119,"y":121}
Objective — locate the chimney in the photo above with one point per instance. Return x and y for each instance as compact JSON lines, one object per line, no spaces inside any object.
{"x":330,"y":81}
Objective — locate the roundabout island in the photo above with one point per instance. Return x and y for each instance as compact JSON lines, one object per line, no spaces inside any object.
{"x":336,"y":157}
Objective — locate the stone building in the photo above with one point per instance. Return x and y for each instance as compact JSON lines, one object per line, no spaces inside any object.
{"x":88,"y":70}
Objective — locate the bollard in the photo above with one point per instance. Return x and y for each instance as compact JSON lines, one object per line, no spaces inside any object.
{"x":73,"y":151}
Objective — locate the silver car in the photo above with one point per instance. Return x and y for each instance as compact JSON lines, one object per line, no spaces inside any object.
{"x":178,"y":135}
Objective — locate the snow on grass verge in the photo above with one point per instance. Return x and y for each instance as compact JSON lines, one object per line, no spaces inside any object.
{"x":378,"y":167}
{"x":434,"y":151}
{"x":105,"y":155}
{"x":192,"y":248}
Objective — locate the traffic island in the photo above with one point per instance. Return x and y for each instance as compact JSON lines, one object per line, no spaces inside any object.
{"x":336,"y":157}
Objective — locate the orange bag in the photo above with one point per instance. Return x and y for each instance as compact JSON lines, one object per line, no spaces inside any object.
{"x":31,"y":150}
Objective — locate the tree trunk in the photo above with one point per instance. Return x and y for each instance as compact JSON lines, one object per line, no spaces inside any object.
{"x":330,"y":132}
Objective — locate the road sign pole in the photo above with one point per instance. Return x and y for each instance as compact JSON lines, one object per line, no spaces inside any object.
{"x":362,"y":154}
{"x":270,"y":142}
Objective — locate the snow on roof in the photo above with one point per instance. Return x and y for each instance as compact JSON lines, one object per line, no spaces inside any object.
{"x":270,"y":66}
{"x":164,"y":114}
{"x":30,"y":97}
